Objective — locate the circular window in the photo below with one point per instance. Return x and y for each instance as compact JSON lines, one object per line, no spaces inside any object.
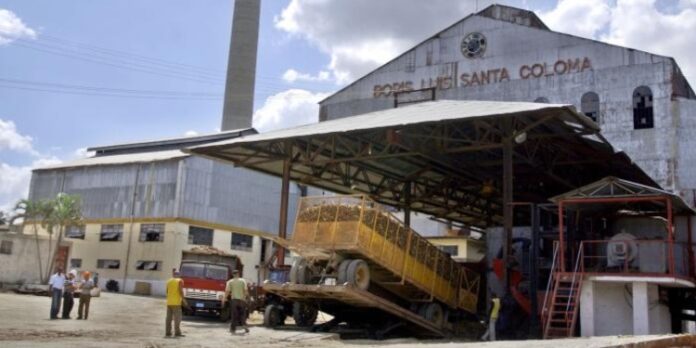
{"x":474,"y":45}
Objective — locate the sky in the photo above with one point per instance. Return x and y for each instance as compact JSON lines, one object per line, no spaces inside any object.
{"x":81,"y":73}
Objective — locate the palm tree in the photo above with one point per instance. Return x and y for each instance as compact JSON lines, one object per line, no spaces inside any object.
{"x":65,"y":212}
{"x":32,"y":212}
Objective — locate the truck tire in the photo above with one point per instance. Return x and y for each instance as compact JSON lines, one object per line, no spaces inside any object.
{"x":304,"y":315}
{"x":358,"y":274}
{"x":435,"y":314}
{"x":343,"y":272}
{"x":272,"y":316}
{"x":299,"y":272}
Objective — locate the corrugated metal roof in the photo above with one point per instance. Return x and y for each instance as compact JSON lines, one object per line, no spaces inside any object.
{"x":119,"y":159}
{"x":434,"y":111}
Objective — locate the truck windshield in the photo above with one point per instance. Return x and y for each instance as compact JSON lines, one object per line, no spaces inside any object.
{"x":201,"y":270}
{"x":216,"y":272}
{"x":193,"y":270}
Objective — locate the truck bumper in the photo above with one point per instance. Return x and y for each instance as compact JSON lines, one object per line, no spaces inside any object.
{"x":204,"y":305}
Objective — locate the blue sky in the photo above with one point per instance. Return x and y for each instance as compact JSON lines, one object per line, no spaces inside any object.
{"x":307,"y":49}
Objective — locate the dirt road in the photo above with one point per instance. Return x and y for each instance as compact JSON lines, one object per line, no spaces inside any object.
{"x":131,"y":321}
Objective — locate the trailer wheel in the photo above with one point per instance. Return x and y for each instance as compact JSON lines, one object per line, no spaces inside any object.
{"x":304,"y":315}
{"x":343,"y":272}
{"x":358,"y":274}
{"x":435,"y":314}
{"x":272,"y":317}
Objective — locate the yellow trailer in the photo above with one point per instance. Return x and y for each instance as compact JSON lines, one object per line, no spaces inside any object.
{"x":352,"y":240}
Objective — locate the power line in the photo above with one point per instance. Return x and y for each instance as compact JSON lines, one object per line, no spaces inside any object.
{"x":112,"y":90}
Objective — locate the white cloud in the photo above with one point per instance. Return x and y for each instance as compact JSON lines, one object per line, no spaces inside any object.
{"x":190,"y":133}
{"x":14,"y":181}
{"x":360,"y":35}
{"x":292,"y":75}
{"x":83,"y":153}
{"x":11,"y":139}
{"x":12,"y":28}
{"x":583,"y":18}
{"x":288,"y":108}
{"x":639,"y":24}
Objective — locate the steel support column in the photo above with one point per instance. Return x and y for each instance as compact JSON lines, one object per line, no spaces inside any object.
{"x":283,"y":220}
{"x":534,"y":327}
{"x":407,"y":204}
{"x":507,"y":208}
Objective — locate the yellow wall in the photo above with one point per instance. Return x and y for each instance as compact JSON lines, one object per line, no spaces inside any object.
{"x":168,"y":252}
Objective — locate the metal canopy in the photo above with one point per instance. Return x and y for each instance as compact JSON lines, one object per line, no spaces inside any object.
{"x":444,"y":158}
{"x":620,"y":190}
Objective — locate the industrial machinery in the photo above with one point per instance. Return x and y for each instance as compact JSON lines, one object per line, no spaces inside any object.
{"x":205,"y":271}
{"x":356,"y":256}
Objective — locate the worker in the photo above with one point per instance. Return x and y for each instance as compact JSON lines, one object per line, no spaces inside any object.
{"x":495,"y":310}
{"x":55,"y":287}
{"x":69,"y":294}
{"x":236,"y":291}
{"x":85,"y":296}
{"x":175,"y":299}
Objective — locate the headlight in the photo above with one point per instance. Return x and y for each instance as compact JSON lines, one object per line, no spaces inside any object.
{"x":220,"y":297}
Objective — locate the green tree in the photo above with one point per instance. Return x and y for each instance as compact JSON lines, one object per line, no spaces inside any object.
{"x":65,"y":212}
{"x":33,"y":212}
{"x":3,"y":218}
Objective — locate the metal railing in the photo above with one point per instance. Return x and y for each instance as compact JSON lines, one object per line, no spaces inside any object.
{"x":637,"y":257}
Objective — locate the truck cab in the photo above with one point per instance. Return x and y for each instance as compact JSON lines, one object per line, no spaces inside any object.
{"x":205,"y":274}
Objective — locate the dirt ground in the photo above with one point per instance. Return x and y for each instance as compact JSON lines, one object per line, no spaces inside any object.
{"x":132,"y":321}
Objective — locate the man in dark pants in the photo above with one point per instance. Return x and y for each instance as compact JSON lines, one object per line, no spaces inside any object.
{"x":68,"y":295}
{"x":236,"y":290}
{"x":55,"y":287}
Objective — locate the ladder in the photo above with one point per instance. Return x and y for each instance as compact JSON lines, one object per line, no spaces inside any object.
{"x":561,"y":309}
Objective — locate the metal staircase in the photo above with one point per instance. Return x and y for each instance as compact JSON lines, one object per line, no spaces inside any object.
{"x":561,"y":307}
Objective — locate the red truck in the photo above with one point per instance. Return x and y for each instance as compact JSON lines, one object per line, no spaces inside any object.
{"x":205,"y":271}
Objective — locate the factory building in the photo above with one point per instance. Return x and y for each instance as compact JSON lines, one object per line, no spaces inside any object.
{"x":144,"y":203}
{"x":641,"y":101}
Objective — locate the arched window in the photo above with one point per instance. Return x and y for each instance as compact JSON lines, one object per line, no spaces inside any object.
{"x":642,"y":108}
{"x":541,"y":100}
{"x":589,"y":105}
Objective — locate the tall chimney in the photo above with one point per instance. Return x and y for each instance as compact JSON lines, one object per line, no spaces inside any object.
{"x":238,"y":108}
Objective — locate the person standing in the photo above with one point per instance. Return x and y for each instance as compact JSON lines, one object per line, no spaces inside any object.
{"x":68,"y":295}
{"x":55,"y":287}
{"x":85,"y":296}
{"x":236,"y":290}
{"x":495,"y":310}
{"x":175,"y":299}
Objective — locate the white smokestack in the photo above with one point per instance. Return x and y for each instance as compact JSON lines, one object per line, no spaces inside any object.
{"x":238,"y":108}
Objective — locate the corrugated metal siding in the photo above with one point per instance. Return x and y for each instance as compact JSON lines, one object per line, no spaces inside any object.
{"x":107,"y":191}
{"x":220,"y":193}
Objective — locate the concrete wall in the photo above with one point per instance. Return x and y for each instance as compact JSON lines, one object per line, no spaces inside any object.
{"x":665,"y":152}
{"x":610,"y":308}
{"x":467,"y":250}
{"x":21,"y":266}
{"x":167,"y":251}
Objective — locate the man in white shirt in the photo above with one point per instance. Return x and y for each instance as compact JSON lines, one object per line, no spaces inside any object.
{"x":55,"y":287}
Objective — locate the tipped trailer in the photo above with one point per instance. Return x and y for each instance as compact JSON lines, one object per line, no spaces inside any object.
{"x":356,"y":257}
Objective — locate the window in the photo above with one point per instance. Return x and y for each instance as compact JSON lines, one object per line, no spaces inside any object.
{"x":451,"y":250}
{"x":6,"y":247}
{"x":206,"y":271}
{"x":642,"y":108}
{"x":111,"y":233}
{"x":543,"y":100}
{"x":200,"y":236}
{"x":152,"y":232}
{"x":589,"y":105}
{"x":75,"y":263}
{"x":76,"y":232}
{"x":148,"y":265}
{"x":242,"y":241}
{"x":109,"y":264}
